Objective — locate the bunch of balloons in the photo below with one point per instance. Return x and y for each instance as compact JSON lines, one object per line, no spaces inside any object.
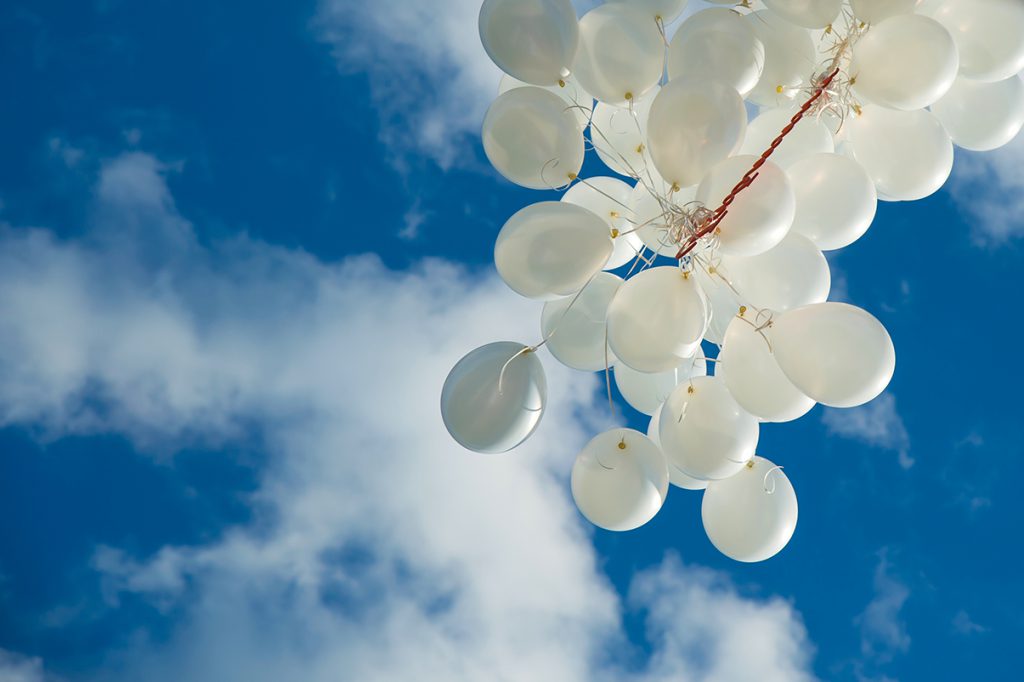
{"x":712,"y":235}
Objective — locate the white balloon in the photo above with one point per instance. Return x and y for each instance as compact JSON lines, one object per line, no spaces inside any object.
{"x":806,"y":13}
{"x":494,"y":397}
{"x":906,"y":62}
{"x":982,"y":116}
{"x":620,"y":480}
{"x":576,"y":100}
{"x":836,"y":200}
{"x":762,"y":213}
{"x":531,"y":40}
{"x":675,"y":475}
{"x":575,"y":331}
{"x":551,"y":249}
{"x":989,"y":35}
{"x":646,"y":392}
{"x":621,"y":53}
{"x":837,"y":354}
{"x":657,"y":320}
{"x":652,"y":219}
{"x":809,"y":136}
{"x":722,"y":302}
{"x":789,"y":59}
{"x":754,"y":378}
{"x":693,"y":125}
{"x":791,"y":274}
{"x":609,"y":198}
{"x":751,"y":516}
{"x":705,"y":432}
{"x":874,"y":11}
{"x":660,"y":10}
{"x":619,"y":135}
{"x":533,"y":139}
{"x":908,"y":154}
{"x":717,"y":44}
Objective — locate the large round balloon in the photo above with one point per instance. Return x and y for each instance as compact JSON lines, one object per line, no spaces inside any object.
{"x":704,"y":431}
{"x":659,"y":10}
{"x":533,"y":139}
{"x":575,"y":330}
{"x":789,"y":59}
{"x":809,"y":136}
{"x":717,"y":45}
{"x":532,"y":40}
{"x":837,"y":354}
{"x":675,"y":475}
{"x":806,"y":13}
{"x":752,"y":515}
{"x":836,"y":200}
{"x":906,"y":62}
{"x":621,"y":53}
{"x":874,"y":11}
{"x":982,"y":116}
{"x":762,"y":213}
{"x":646,"y":392}
{"x":494,"y":397}
{"x":723,"y":303}
{"x":619,"y":135}
{"x":551,"y":249}
{"x":754,"y":378}
{"x":620,"y":480}
{"x":989,"y":35}
{"x":908,"y":154}
{"x":609,"y":198}
{"x":657,"y":320}
{"x":790,"y":274}
{"x":576,"y":100}
{"x":693,"y":125}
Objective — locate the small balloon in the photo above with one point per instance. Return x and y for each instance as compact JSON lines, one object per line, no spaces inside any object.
{"x":494,"y":397}
{"x":836,"y":200}
{"x":982,"y":116}
{"x":809,"y":136}
{"x":646,"y":392}
{"x":989,"y":36}
{"x":790,"y":274}
{"x":621,"y":53}
{"x":718,"y":45}
{"x":531,"y":40}
{"x":575,"y":326}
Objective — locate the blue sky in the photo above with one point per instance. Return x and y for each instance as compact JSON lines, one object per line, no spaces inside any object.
{"x":240,"y":247}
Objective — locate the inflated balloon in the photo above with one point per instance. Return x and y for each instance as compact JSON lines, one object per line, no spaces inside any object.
{"x":836,"y":200}
{"x":609,"y":198}
{"x":551,"y":249}
{"x":982,"y":116}
{"x":494,"y":397}
{"x":809,"y":136}
{"x":754,"y":378}
{"x":806,"y":13}
{"x":906,"y":62}
{"x":659,"y":10}
{"x":874,"y":11}
{"x":531,"y":40}
{"x":790,"y":274}
{"x":989,"y":35}
{"x":533,"y":139}
{"x":908,"y":154}
{"x":651,"y":214}
{"x":620,"y":480}
{"x":675,"y":475}
{"x":718,"y":45}
{"x":657,"y":320}
{"x":576,"y":100}
{"x":575,"y":330}
{"x":704,"y":431}
{"x":722,"y":302}
{"x":751,"y":516}
{"x":619,"y":135}
{"x":621,"y":53}
{"x":693,"y":125}
{"x":837,"y":354}
{"x":761,"y":215}
{"x":789,"y":58}
{"x":646,"y":392}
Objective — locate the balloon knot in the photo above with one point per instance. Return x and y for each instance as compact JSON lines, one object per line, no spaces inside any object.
{"x":561,"y":83}
{"x":743,"y":310}
{"x":615,"y":233}
{"x":779,"y":89}
{"x":629,"y":96}
{"x":750,"y":464}
{"x":622,"y":444}
{"x":572,"y":177}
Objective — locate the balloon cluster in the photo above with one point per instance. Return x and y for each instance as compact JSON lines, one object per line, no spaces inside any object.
{"x":717,"y":230}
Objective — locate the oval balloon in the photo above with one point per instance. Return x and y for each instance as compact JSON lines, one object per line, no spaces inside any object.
{"x":575,"y":329}
{"x":791,"y":274}
{"x":533,"y":139}
{"x":494,"y":397}
{"x":576,"y":100}
{"x":551,"y":249}
{"x":751,"y":516}
{"x":657,"y":320}
{"x":676,"y":476}
{"x":982,"y":116}
{"x":704,"y":431}
{"x":722,"y":302}
{"x":620,"y":480}
{"x":718,"y":45}
{"x":619,"y":135}
{"x":646,"y":392}
{"x":609,"y":198}
{"x":989,"y":36}
{"x":621,"y":53}
{"x":837,"y":354}
{"x":789,"y":59}
{"x":659,"y":10}
{"x":806,"y":13}
{"x":836,"y":200}
{"x":531,"y":40}
{"x":809,"y":136}
{"x":874,"y":11}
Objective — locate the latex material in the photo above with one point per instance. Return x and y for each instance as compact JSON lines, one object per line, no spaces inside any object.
{"x":722,"y":303}
{"x":836,"y":200}
{"x":621,"y":54}
{"x":646,"y":392}
{"x":649,"y":216}
{"x":664,"y":10}
{"x":609,"y":198}
{"x":789,"y":59}
{"x":531,"y":40}
{"x":619,"y":135}
{"x":791,"y":274}
{"x":809,"y":136}
{"x":806,"y":13}
{"x":989,"y":36}
{"x":576,"y":331}
{"x":576,"y":99}
{"x":718,"y":45}
{"x":982,"y":116}
{"x":675,"y":476}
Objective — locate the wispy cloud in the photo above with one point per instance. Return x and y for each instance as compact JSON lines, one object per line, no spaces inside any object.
{"x":16,"y":668}
{"x":883,"y":632}
{"x":877,"y":424}
{"x":989,"y":190}
{"x":964,"y":625}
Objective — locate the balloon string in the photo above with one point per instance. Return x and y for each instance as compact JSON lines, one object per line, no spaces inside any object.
{"x":766,"y":475}
{"x":714,"y":220}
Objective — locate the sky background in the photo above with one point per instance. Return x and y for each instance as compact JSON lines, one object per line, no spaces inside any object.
{"x":241,"y":244}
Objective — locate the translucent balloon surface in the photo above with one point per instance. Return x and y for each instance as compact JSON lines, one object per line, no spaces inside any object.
{"x":646,"y":392}
{"x":806,"y":13}
{"x":575,"y":331}
{"x":551,"y":249}
{"x":989,"y":35}
{"x":621,"y":53}
{"x":657,"y":320}
{"x":722,"y":301}
{"x":752,"y":515}
{"x":620,"y":480}
{"x":810,"y":136}
{"x":619,"y":135}
{"x":531,"y":40}
{"x":609,"y":198}
{"x":705,"y":432}
{"x":533,"y":139}
{"x":836,"y":200}
{"x":662,"y":10}
{"x":874,"y":11}
{"x":693,"y":125}
{"x":494,"y":397}
{"x":576,"y":100}
{"x":982,"y":116}
{"x":651,"y":214}
{"x":837,"y":354}
{"x":791,"y":274}
{"x":675,"y":476}
{"x":789,"y":59}
{"x":718,"y":45}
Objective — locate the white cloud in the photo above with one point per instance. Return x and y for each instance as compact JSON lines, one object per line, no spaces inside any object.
{"x":16,"y":668}
{"x":964,"y":625}
{"x":877,"y":423}
{"x":882,"y":629}
{"x":989,"y":189}
{"x":378,"y":549}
